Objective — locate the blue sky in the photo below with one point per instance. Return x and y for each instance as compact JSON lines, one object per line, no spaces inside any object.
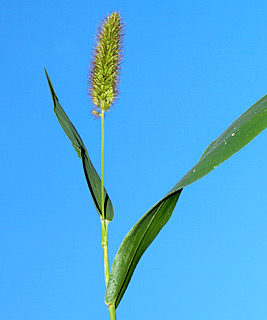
{"x":190,"y":69}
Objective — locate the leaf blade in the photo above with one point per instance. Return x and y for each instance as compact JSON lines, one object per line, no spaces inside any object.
{"x":244,"y":129}
{"x":92,"y":178}
{"x":135,"y":244}
{"x":235,"y":137}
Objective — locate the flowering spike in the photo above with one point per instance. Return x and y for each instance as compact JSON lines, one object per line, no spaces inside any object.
{"x":106,"y":62}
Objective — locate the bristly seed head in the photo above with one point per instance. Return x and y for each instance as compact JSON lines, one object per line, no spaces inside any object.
{"x":106,"y":63}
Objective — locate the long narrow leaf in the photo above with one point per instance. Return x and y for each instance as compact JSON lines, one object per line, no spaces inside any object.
{"x":235,"y":137}
{"x":92,"y":178}
{"x":134,"y":245}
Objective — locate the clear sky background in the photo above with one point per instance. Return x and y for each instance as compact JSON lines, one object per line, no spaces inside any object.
{"x":190,"y":69}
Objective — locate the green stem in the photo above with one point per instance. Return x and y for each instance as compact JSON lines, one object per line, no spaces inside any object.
{"x":104,"y":224}
{"x":105,"y":249}
{"x":112,"y":311}
{"x":102,"y":164}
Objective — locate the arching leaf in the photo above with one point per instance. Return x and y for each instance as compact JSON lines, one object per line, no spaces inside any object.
{"x":235,"y":137}
{"x":92,"y":178}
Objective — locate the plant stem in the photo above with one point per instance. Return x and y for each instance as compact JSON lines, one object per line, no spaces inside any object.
{"x":104,"y":223}
{"x":105,"y":249}
{"x":102,"y":164}
{"x":112,"y":311}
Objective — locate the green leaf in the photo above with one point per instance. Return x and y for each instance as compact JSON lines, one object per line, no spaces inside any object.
{"x":92,"y":178}
{"x":134,"y":245}
{"x":235,"y":137}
